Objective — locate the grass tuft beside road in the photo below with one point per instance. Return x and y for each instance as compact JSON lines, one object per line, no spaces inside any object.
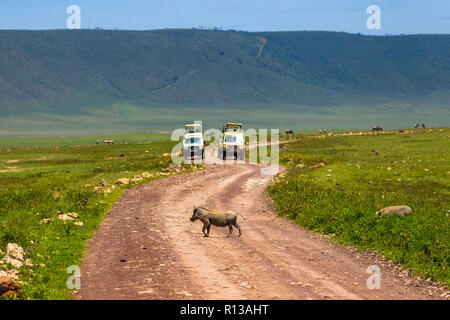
{"x":340,"y":199}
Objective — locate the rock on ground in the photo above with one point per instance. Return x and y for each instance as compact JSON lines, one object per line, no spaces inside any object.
{"x":15,"y":255}
{"x":123,"y":181}
{"x":7,"y":284}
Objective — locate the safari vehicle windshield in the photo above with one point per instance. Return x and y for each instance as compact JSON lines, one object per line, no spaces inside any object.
{"x":193,"y":140}
{"x":233,"y":138}
{"x":190,"y":128}
{"x":232,"y":127}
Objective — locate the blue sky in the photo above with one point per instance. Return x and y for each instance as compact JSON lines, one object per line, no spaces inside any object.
{"x":397,"y":16}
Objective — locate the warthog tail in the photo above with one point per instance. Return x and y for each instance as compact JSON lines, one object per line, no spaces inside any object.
{"x":241,"y":215}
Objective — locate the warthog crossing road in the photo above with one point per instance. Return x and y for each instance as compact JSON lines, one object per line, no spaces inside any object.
{"x":219,"y":219}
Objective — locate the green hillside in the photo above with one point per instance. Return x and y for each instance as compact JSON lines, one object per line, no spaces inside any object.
{"x":95,"y":81}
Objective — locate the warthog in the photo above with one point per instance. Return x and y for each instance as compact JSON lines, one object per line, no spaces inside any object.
{"x":389,"y":211}
{"x":219,"y":219}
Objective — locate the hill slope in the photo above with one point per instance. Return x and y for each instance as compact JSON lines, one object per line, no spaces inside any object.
{"x":80,"y":74}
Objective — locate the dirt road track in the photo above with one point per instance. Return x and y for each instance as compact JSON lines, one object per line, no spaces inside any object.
{"x":148,"y":249}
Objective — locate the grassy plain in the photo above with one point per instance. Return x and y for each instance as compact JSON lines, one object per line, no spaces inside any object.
{"x":35,"y":183}
{"x":47,"y":141}
{"x":340,"y":199}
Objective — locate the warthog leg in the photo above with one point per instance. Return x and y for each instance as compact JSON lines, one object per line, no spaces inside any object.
{"x":239,"y":228}
{"x":231,"y":230}
{"x":206,"y":226}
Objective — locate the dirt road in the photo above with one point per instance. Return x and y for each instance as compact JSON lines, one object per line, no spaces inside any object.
{"x":148,"y":249}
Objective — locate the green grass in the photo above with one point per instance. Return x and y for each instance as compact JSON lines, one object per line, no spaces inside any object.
{"x":53,"y":178}
{"x":137,"y":119}
{"x":81,"y":140}
{"x":341,"y":198}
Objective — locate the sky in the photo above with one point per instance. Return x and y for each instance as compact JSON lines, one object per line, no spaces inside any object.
{"x":397,"y":16}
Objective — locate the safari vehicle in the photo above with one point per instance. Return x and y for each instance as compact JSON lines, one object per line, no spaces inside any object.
{"x":193,"y":144}
{"x":232,"y":142}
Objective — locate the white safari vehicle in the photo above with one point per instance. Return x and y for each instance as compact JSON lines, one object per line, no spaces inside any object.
{"x":193,"y":144}
{"x":232,"y":142}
